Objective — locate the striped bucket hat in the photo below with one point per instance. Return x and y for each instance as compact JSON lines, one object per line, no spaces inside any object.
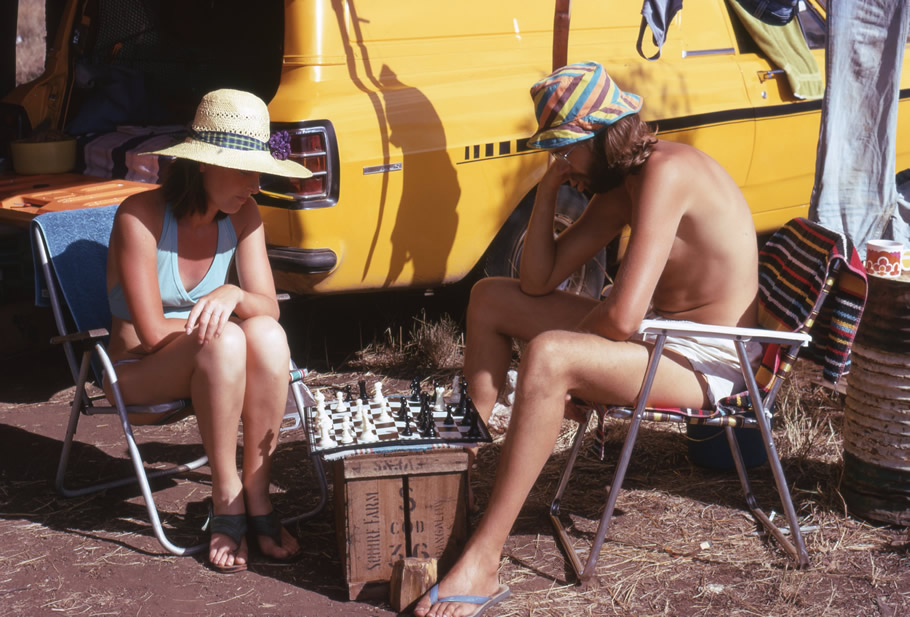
{"x":575,"y":103}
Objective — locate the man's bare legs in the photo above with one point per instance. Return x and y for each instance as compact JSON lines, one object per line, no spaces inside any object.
{"x":499,"y":312}
{"x":554,"y":364}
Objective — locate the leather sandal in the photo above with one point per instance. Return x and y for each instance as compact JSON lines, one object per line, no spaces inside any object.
{"x":233,"y":526}
{"x":269,"y":525}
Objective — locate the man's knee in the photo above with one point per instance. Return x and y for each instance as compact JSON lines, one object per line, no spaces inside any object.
{"x":488,"y":296}
{"x":544,"y":354}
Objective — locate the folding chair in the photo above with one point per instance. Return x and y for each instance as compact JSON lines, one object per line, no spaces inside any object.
{"x":812,"y":289}
{"x":70,"y":253}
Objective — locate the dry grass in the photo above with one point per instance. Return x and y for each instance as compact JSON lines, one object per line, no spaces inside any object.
{"x":30,"y":47}
{"x":431,"y":345}
{"x":681,"y":543}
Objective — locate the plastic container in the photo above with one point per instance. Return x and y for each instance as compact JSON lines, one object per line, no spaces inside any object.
{"x":43,"y":157}
{"x":708,"y":446}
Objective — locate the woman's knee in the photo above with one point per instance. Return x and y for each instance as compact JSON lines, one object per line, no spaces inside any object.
{"x":226,"y":352}
{"x":266,"y":339}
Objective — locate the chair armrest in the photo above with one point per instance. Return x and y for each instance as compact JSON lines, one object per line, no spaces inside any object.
{"x":655,"y":326}
{"x":85,"y":335}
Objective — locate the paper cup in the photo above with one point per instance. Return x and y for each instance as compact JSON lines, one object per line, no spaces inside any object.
{"x":884,"y":258}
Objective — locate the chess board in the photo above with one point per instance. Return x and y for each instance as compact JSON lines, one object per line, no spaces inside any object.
{"x":390,"y":433}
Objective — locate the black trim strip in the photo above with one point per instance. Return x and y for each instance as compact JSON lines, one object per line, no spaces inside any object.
{"x":749,"y":113}
{"x":493,"y":158}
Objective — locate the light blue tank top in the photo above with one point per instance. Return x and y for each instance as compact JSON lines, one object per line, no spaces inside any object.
{"x":177,"y":301}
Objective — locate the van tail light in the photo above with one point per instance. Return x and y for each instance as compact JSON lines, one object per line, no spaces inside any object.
{"x":313,"y":146}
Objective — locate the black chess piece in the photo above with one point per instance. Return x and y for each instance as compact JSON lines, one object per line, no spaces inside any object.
{"x":348,"y":394}
{"x":425,"y":416}
{"x":432,"y":431}
{"x":415,"y":390}
{"x":406,"y":431}
{"x":463,"y":400}
{"x":363,"y":391}
{"x":469,"y":410}
{"x":449,"y":420}
{"x":403,"y":409}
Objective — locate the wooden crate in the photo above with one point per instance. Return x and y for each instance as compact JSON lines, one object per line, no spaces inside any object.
{"x":392,"y":506}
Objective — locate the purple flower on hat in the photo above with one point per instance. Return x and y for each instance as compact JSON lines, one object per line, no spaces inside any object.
{"x":280,"y":145}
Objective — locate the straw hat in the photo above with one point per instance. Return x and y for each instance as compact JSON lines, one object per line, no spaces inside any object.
{"x":575,"y":103}
{"x":231,"y":129}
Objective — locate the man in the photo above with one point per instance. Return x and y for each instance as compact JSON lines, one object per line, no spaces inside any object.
{"x":691,"y":256}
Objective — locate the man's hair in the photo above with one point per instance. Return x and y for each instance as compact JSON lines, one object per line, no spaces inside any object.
{"x":626,"y":144}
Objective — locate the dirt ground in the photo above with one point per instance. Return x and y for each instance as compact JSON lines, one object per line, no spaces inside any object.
{"x":681,"y":543}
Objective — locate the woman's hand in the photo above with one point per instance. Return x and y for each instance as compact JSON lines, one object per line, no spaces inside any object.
{"x":212,"y":311}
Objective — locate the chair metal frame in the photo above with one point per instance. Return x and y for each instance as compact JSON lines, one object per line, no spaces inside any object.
{"x":762,"y":420}
{"x":79,"y":347}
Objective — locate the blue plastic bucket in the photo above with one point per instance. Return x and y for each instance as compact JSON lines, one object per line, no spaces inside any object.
{"x":708,"y":446}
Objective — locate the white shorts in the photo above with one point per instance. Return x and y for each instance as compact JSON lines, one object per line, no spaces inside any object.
{"x":713,"y":358}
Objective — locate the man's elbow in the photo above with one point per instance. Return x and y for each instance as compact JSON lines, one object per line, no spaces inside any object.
{"x":533,"y":288}
{"x":623,"y":327}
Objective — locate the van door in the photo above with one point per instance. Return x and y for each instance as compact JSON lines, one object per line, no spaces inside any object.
{"x":786,"y":128}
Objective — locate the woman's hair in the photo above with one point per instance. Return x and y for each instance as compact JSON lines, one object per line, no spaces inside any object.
{"x":626,"y":144}
{"x":183,"y":188}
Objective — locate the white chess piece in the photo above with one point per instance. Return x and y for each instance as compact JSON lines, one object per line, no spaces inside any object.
{"x":456,"y":390}
{"x":384,"y":412}
{"x":367,"y":428}
{"x":362,"y":415}
{"x":380,"y":400}
{"x":378,"y":397}
{"x":321,"y":415}
{"x":346,"y":429}
{"x":339,"y":403}
{"x":369,"y":435}
{"x":325,"y":432}
{"x":440,"y":404}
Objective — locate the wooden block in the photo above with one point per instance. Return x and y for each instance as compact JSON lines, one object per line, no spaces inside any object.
{"x":439,"y":518}
{"x":411,"y":578}
{"x":393,"y":506}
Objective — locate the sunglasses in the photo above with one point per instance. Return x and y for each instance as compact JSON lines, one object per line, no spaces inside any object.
{"x":564,"y":155}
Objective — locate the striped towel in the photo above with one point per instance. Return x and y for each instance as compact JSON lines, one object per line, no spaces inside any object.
{"x":810,"y":280}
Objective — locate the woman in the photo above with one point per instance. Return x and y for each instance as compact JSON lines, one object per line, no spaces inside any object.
{"x":180,"y":330}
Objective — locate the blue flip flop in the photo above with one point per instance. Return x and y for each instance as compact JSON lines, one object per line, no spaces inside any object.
{"x":482,"y":602}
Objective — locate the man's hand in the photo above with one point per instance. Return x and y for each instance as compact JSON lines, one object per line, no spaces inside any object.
{"x":212,"y":312}
{"x":556,"y":175}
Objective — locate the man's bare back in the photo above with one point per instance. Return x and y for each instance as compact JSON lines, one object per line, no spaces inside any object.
{"x":711,"y":271}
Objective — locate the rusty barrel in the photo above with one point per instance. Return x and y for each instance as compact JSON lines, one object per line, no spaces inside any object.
{"x":876,"y":480}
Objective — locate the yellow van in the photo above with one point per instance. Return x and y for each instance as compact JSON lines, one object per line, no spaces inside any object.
{"x":414,"y":116}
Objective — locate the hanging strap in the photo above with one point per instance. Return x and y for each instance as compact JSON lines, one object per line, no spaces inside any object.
{"x":656,"y":14}
{"x":561,"y":33}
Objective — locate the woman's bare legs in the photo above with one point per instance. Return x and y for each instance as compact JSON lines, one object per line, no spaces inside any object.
{"x":214,"y":376}
{"x":554,"y":364}
{"x":267,"y":362}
